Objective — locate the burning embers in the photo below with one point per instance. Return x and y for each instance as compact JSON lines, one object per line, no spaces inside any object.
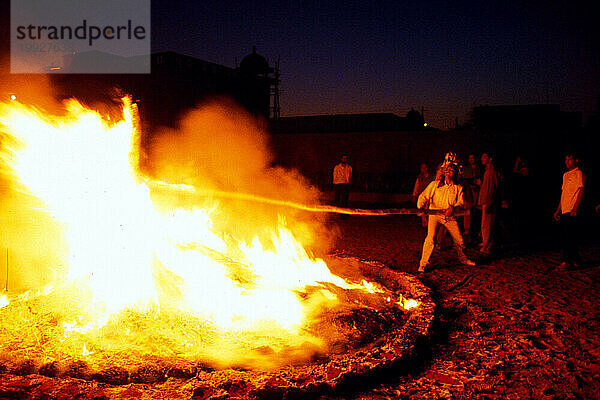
{"x":393,"y":344}
{"x":125,"y":268}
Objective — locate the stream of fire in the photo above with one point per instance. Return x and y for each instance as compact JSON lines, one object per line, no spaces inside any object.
{"x":319,"y":208}
{"x":125,"y":276}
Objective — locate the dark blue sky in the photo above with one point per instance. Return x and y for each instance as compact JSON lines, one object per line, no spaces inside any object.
{"x":374,"y":56}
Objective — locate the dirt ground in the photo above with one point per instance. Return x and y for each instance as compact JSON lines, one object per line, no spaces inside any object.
{"x":513,"y":327}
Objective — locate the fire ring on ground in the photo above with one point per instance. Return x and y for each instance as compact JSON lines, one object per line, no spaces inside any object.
{"x":391,"y":339}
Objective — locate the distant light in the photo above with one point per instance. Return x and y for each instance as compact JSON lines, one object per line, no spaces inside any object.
{"x":13,"y":97}
{"x":54,"y":68}
{"x":425,"y":124}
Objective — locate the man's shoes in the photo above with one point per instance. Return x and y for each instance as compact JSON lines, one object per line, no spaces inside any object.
{"x":421,"y":268}
{"x":469,"y":263}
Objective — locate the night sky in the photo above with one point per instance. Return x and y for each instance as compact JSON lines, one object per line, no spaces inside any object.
{"x":350,"y":57}
{"x":361,"y":56}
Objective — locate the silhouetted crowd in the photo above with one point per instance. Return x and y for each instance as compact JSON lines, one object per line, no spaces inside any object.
{"x":472,"y":204}
{"x":495,"y":205}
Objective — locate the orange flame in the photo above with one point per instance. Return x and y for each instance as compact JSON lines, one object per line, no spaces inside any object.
{"x":148,"y":270}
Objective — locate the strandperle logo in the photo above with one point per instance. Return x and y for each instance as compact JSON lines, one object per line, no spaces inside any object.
{"x":80,"y":36}
{"x":90,"y":33}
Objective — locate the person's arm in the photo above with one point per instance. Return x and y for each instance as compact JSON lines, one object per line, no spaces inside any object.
{"x":558,"y":210}
{"x":577,"y":201}
{"x":423,"y":199}
{"x":580,"y":191}
{"x":460,"y":200}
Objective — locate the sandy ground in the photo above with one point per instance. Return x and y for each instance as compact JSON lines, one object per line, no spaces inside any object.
{"x":514,"y":326}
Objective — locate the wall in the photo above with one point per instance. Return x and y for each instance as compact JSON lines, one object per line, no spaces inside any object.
{"x":382,"y":161}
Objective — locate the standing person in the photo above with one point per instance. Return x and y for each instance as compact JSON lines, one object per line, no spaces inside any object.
{"x":471,"y":181}
{"x":445,"y":196}
{"x":342,"y":174}
{"x":441,"y":236}
{"x":489,"y":201}
{"x":423,"y":179}
{"x":568,"y":209}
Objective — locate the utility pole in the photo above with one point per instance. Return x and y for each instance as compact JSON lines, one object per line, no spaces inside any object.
{"x":275,"y":91}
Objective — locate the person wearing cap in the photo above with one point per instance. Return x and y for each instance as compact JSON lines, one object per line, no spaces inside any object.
{"x":443,"y":195}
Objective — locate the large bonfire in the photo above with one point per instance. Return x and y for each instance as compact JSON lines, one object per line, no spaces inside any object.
{"x":117,"y":264}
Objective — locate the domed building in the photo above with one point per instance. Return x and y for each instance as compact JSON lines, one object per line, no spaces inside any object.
{"x":255,"y":65}
{"x":257,"y":82}
{"x":176,"y":84}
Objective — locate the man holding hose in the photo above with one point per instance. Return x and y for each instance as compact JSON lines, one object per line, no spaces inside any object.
{"x":444,"y":195}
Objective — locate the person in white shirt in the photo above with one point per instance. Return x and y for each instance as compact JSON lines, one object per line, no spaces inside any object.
{"x":342,"y":175}
{"x":568,"y":209}
{"x":443,"y":195}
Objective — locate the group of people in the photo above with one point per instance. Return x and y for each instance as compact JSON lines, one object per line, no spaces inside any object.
{"x":475,"y":188}
{"x":481,"y":189}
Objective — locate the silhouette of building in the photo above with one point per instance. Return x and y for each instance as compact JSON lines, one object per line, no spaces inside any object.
{"x":373,"y":122}
{"x":176,"y":83}
{"x":365,"y":122}
{"x":258,"y":83}
{"x":384,"y":149}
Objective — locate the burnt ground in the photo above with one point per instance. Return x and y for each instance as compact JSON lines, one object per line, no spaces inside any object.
{"x":513,"y":327}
